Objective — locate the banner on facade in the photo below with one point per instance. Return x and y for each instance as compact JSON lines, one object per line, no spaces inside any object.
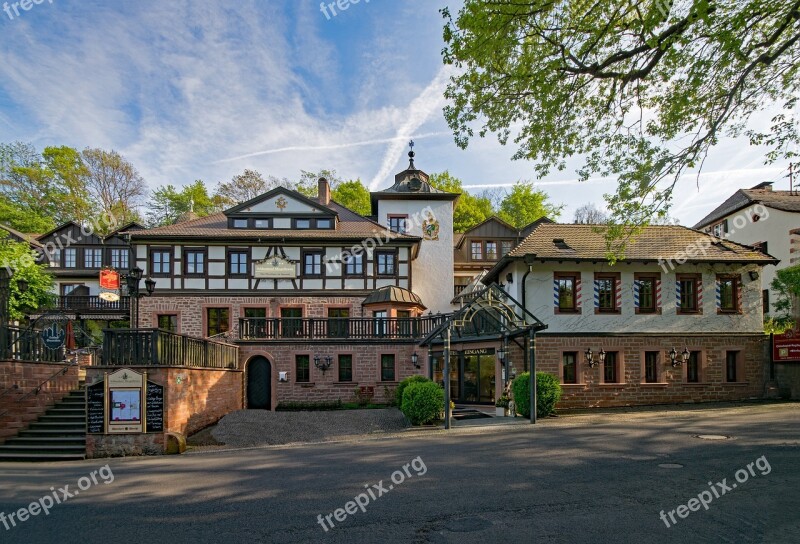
{"x":275,"y":268}
{"x":109,"y":285}
{"x":786,"y":347}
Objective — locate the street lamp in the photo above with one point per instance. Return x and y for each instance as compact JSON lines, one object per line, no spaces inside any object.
{"x":133,"y":278}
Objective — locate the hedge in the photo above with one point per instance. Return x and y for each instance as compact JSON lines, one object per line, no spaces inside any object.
{"x":311,"y":406}
{"x":423,"y":402}
{"x":548,"y":393}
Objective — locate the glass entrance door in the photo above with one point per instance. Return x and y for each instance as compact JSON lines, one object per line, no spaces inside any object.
{"x":472,"y":377}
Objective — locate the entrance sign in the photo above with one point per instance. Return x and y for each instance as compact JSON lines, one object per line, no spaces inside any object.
{"x":786,"y":347}
{"x":274,"y":268}
{"x":479,"y":351}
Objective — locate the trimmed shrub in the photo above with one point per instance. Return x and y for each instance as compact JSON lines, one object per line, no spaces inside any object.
{"x":422,"y":402}
{"x":405,"y":383}
{"x":548,"y":393}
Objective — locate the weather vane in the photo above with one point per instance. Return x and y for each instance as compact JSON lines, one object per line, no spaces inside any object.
{"x":411,"y":145}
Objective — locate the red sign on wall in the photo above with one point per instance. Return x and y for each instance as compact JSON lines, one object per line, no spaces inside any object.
{"x":786,"y":347}
{"x":109,"y":279}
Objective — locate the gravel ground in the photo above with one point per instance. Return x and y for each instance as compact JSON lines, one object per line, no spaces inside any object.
{"x":247,"y":428}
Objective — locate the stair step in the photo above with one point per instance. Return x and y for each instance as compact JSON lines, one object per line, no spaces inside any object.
{"x":41,"y":457}
{"x":27,"y":448}
{"x":34,"y":440}
{"x":59,"y":425}
{"x":55,"y":433}
{"x":61,"y":411}
{"x":47,"y":418}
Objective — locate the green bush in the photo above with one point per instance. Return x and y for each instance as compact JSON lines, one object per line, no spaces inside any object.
{"x":309,"y":406}
{"x":405,"y":383}
{"x":548,"y":393}
{"x":423,"y":402}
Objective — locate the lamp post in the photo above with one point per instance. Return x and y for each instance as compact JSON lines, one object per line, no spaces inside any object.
{"x":5,"y":288}
{"x":447,"y":377}
{"x":133,"y":279}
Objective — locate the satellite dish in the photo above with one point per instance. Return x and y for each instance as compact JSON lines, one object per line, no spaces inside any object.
{"x":415,"y":184}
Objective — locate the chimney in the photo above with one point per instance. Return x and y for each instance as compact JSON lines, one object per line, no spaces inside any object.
{"x":764,"y":186}
{"x":324,"y":192}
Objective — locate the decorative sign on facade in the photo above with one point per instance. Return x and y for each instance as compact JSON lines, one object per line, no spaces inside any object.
{"x":281,"y":203}
{"x":124,"y":389}
{"x":274,"y":268}
{"x":54,"y":336}
{"x":479,"y":351}
{"x":124,"y":402}
{"x":786,"y":347}
{"x":109,"y":285}
{"x":430,"y":228}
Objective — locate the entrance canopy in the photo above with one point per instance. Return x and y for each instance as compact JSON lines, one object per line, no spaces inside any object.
{"x":490,"y":314}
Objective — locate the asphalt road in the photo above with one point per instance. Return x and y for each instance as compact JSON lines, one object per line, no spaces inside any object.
{"x":571,"y":480}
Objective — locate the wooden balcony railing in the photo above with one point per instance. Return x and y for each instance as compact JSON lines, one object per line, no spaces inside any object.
{"x":353,"y":328}
{"x":27,"y":345}
{"x":79,"y":303}
{"x":155,"y":347}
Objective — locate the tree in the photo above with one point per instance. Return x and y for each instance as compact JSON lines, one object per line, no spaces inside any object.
{"x":589,"y":214}
{"x":20,"y":261}
{"x":308,"y":184}
{"x":353,"y":195}
{"x":246,"y":186}
{"x":525,"y":204}
{"x":787,"y":302}
{"x":470,"y":210}
{"x":114,"y":184}
{"x":168,"y":204}
{"x":643,"y":90}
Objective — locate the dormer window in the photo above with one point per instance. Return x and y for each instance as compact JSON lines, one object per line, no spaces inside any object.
{"x":263,"y":224}
{"x":324,"y":223}
{"x":302,"y":223}
{"x":240,"y":223}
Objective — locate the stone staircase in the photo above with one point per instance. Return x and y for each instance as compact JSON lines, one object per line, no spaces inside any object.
{"x":58,"y":435}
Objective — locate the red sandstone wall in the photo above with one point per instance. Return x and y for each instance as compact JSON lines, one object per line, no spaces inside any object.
{"x":591,"y":392}
{"x":28,"y":376}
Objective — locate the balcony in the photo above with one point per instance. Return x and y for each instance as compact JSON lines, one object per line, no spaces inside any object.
{"x":92,"y":304}
{"x":354,"y":328}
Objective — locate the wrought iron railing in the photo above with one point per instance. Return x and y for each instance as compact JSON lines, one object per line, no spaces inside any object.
{"x":156,"y":347}
{"x":91,"y":303}
{"x":352,"y":328}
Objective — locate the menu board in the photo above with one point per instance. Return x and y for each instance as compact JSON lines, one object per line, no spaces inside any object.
{"x":95,"y":412}
{"x":155,"y":408}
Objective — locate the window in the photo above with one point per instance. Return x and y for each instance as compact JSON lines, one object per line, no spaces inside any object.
{"x":491,"y":251}
{"x":610,"y":368}
{"x":398,"y":223}
{"x":693,"y":367}
{"x":255,"y":323}
{"x":262,"y":223}
{"x":354,"y":264}
{"x":688,"y":301}
{"x":606,"y":287}
{"x":237,"y":263}
{"x":167,"y":322}
{"x":651,"y":367}
{"x":291,"y":322}
{"x":647,"y":295}
{"x":93,"y":258}
{"x":119,"y":259}
{"x":345,"y":368}
{"x":302,"y":223}
{"x":731,"y":364}
{"x":195,"y":262}
{"x":55,"y":258}
{"x":312,"y":264}
{"x":404,"y":323}
{"x":477,"y":251}
{"x":720,"y":229}
{"x":765,"y":300}
{"x":380,"y":322}
{"x":160,"y":262}
{"x":68,"y":288}
{"x":565,"y":293}
{"x":728,"y":299}
{"x":255,"y":313}
{"x":70,"y":257}
{"x":302,"y":369}
{"x":505,"y":247}
{"x":218,"y":321}
{"x":570,"y":372}
{"x":240,"y":223}
{"x":324,"y":223}
{"x":337,"y":322}
{"x":387,"y":368}
{"x":386,"y":263}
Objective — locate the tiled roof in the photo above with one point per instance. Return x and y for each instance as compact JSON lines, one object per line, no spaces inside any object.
{"x":552,"y":241}
{"x":21,"y":236}
{"x":351,"y":226}
{"x":779,"y":200}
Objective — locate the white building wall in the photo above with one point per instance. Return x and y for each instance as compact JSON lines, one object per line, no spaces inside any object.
{"x":540,"y":300}
{"x":432,"y":271}
{"x":773,"y":227}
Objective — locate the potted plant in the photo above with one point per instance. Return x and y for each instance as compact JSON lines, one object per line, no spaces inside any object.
{"x":501,"y":406}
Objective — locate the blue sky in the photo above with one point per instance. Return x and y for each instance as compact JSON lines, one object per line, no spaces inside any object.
{"x":202,"y":90}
